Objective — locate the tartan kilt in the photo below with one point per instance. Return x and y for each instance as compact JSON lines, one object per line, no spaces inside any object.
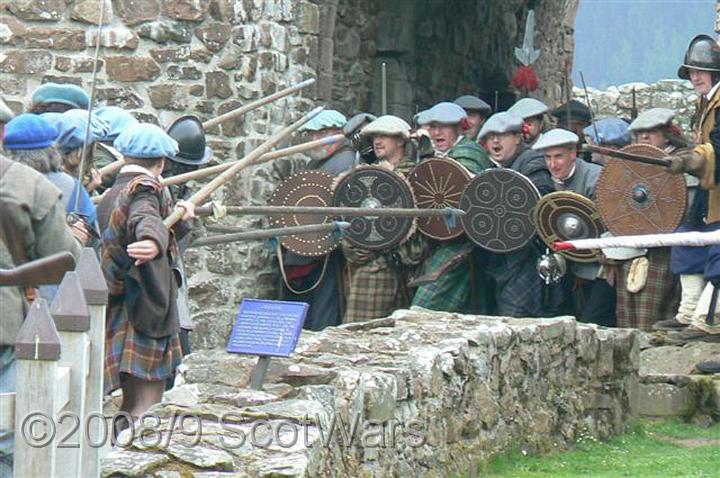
{"x":451,"y":291}
{"x":373,"y":291}
{"x":658,"y":300}
{"x":129,"y":351}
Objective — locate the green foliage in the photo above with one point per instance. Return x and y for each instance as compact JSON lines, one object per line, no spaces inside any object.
{"x":621,"y":41}
{"x":651,"y":449}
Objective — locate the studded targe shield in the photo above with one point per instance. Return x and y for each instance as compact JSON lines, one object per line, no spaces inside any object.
{"x":498,"y":205}
{"x":438,"y":183}
{"x":308,"y":188}
{"x":566,"y":216}
{"x":375,"y":187}
{"x":636,"y":198}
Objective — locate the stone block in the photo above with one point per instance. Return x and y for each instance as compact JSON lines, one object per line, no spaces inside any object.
{"x":119,"y":38}
{"x":247,"y":37}
{"x":11,"y":30}
{"x":663,"y":400}
{"x":201,"y":54}
{"x":308,"y":17}
{"x":73,"y":80}
{"x":55,"y":38}
{"x":37,"y":10}
{"x":165,"y":31}
{"x":134,"y":12}
{"x":170,"y":55}
{"x":125,"y":98}
{"x":144,"y":117}
{"x":168,"y":96}
{"x":77,"y":65}
{"x":177,"y":72}
{"x":25,"y":62}
{"x":186,"y":10}
{"x":214,"y":35}
{"x":13,"y":86}
{"x":88,"y":11}
{"x":131,"y":68}
{"x":231,"y":57}
{"x":217,"y":85}
{"x":222,"y":10}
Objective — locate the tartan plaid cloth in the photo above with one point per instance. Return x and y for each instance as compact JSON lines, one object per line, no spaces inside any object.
{"x":471,"y":155}
{"x":129,"y":351}
{"x":658,"y":300}
{"x":451,"y":291}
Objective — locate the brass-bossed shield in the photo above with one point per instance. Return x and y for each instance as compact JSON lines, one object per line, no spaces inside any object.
{"x":438,"y":183}
{"x":374,"y":187}
{"x":307,"y":188}
{"x":566,"y":216}
{"x":637,"y":198}
{"x":498,"y":204}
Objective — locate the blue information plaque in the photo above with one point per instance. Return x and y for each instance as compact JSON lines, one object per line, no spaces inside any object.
{"x":267,"y":327}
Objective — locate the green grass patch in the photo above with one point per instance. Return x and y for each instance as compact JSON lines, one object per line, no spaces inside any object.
{"x":651,"y":449}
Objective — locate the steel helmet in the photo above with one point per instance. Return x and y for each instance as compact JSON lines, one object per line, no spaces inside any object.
{"x":702,"y":54}
{"x":189,"y":133}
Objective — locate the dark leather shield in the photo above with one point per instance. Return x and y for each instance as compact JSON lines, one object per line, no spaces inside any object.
{"x":637,"y":198}
{"x":438,"y":183}
{"x":308,"y":188}
{"x":567,"y":216}
{"x":498,"y":205}
{"x":377,"y":187}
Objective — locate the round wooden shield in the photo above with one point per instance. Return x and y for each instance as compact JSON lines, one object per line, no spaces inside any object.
{"x":566,"y":216}
{"x":308,"y":188}
{"x":438,"y":183}
{"x":637,"y":198}
{"x":498,"y":205}
{"x":374,"y":186}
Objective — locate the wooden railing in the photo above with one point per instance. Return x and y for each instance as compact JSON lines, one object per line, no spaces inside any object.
{"x":56,"y":410}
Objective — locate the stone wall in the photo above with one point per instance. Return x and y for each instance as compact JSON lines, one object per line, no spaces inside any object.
{"x":678,"y":95}
{"x":453,"y":389}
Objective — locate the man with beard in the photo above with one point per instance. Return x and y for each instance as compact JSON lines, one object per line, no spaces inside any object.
{"x":594,"y":298}
{"x":305,"y":280}
{"x":451,"y":291}
{"x":477,"y":112}
{"x":518,"y":289}
{"x":377,"y":279}
{"x":532,"y":112}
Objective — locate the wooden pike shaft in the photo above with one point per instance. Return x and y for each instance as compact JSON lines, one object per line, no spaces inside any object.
{"x":112,"y":168}
{"x":639,"y":158}
{"x":257,"y":103}
{"x":203,"y":193}
{"x":269,"y":233}
{"x":332,"y":211}
{"x":280,"y":153}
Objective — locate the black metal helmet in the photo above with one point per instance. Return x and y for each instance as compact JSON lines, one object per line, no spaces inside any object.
{"x":702,"y":54}
{"x":189,"y":133}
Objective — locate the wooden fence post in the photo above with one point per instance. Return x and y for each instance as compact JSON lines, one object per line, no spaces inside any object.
{"x":37,"y":349}
{"x":96,"y":296}
{"x":72,"y":320}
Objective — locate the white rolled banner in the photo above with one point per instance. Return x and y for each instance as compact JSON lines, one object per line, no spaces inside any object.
{"x":641,"y":241}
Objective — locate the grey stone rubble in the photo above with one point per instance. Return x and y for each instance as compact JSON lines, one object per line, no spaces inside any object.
{"x":454,"y":389}
{"x":677,"y":95}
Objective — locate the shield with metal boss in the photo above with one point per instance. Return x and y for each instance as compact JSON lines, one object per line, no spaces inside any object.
{"x":498,"y":205}
{"x":308,"y":188}
{"x":567,"y":216}
{"x":374,"y":187}
{"x":438,"y":183}
{"x":637,"y":198}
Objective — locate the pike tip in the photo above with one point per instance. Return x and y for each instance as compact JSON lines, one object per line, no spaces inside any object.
{"x":305,"y":83}
{"x":563,"y":246}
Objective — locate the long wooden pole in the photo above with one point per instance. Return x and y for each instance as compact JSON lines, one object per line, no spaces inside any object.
{"x":332,"y":211}
{"x":203,"y":193}
{"x":257,"y":103}
{"x":280,"y":153}
{"x":269,"y":233}
{"x":638,"y":158}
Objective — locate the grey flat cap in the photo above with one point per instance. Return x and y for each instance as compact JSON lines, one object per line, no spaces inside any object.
{"x":528,"y":107}
{"x":445,"y":112}
{"x":388,"y":125}
{"x":500,"y":123}
{"x":473,"y":103}
{"x":652,"y":118}
{"x":556,"y":137}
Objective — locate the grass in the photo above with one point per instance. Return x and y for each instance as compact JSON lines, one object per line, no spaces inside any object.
{"x":652,"y":449}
